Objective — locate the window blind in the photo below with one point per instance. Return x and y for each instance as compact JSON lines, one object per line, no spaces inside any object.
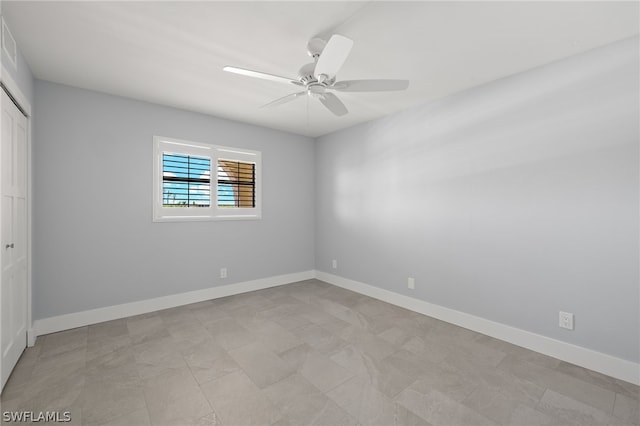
{"x":236,"y":184}
{"x":186,"y":180}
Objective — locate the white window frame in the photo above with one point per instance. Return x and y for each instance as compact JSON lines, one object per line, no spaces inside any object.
{"x":214,"y":153}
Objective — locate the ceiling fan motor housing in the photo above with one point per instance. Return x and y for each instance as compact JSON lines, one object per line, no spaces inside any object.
{"x":305,"y":75}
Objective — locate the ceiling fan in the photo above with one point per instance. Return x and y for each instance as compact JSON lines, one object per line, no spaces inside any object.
{"x":318,"y":78}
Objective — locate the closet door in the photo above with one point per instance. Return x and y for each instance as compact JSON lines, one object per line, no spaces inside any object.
{"x":13,"y":237}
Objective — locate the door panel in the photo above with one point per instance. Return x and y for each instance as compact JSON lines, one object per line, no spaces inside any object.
{"x":7,"y":296}
{"x":19,"y":311}
{"x":13,"y":237}
{"x":7,"y":233}
{"x":19,"y":230}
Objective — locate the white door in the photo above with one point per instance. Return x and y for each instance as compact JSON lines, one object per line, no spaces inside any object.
{"x":13,"y":237}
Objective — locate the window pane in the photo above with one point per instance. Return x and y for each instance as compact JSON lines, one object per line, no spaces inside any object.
{"x":186,"y":180}
{"x":236,"y":184}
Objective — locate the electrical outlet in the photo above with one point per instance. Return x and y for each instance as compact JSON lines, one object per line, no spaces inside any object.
{"x":411,"y":283}
{"x":334,"y":264}
{"x":565,"y":320}
{"x":223,"y":272}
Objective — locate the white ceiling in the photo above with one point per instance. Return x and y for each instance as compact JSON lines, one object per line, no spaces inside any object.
{"x":172,"y":53}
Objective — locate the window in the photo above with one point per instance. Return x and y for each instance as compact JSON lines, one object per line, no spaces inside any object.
{"x":236,"y":184}
{"x":183,"y":184}
{"x":186,"y":180}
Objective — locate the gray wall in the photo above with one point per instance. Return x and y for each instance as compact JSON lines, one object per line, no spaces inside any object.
{"x":510,"y":201}
{"x":95,"y":244}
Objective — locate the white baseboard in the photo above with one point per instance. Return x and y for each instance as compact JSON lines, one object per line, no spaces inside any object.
{"x":31,"y":337}
{"x":94,"y":316}
{"x":588,"y":358}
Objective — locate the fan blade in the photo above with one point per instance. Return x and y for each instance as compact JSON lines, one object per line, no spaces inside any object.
{"x":370,"y":85}
{"x":333,"y":104}
{"x":283,"y":100}
{"x":263,"y":75}
{"x":333,"y":56}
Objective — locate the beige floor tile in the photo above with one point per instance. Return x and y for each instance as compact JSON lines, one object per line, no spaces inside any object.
{"x":322,"y":372}
{"x":381,"y":374}
{"x":428,"y":348}
{"x":252,"y":300}
{"x":62,"y":397}
{"x":477,"y":353}
{"x":455,"y":385}
{"x":587,"y":393}
{"x":188,"y":332}
{"x":451,"y":332}
{"x":261,"y":365}
{"x":347,"y":298}
{"x":599,"y":379}
{"x":178,"y":315}
{"x":364,"y":402}
{"x":146,"y":327}
{"x":342,"y":312}
{"x":18,"y":380}
{"x":118,"y":367}
{"x":157,"y":356}
{"x":63,"y":342}
{"x":238,"y":401}
{"x":52,"y":365}
{"x":297,"y":356}
{"x":316,"y":314}
{"x":627,"y":409}
{"x":297,"y":399}
{"x":353,"y":359}
{"x":101,"y":346}
{"x":335,"y":326}
{"x":494,"y":379}
{"x":134,"y":418}
{"x":208,"y":360}
{"x":331,"y":414}
{"x":320,"y":339}
{"x":527,"y":416}
{"x":406,"y":417}
{"x":275,"y":337}
{"x":115,"y":328}
{"x":493,"y":404}
{"x":292,"y":321}
{"x":175,"y":398}
{"x":367,"y":342}
{"x":229,"y":333}
{"x":388,"y":379}
{"x":439,"y":409}
{"x":68,"y":375}
{"x":207,"y":314}
{"x":571,"y":411}
{"x":103,"y":402}
{"x":396,"y":336}
{"x":409,"y":363}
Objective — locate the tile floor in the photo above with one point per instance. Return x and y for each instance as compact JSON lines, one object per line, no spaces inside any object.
{"x":306,"y":353}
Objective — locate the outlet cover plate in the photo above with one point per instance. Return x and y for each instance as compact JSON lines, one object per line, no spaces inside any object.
{"x":565,"y":320}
